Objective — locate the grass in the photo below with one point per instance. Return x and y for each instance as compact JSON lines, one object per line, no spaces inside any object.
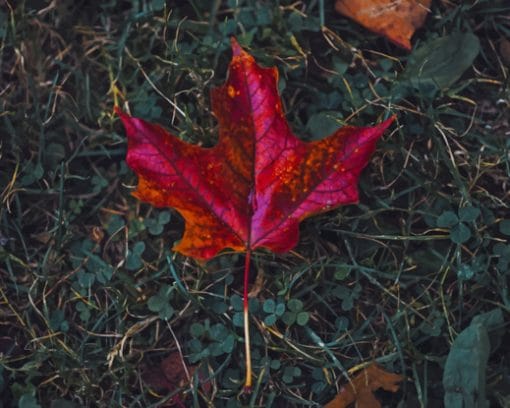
{"x":92,"y":299}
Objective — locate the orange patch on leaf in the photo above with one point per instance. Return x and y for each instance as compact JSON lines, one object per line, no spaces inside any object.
{"x":397,"y":20}
{"x":361,"y":389}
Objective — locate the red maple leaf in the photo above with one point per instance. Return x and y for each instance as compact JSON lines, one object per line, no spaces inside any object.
{"x":254,"y":187}
{"x":360,"y":389}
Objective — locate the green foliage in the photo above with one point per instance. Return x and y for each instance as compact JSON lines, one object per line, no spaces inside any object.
{"x":457,"y":223}
{"x":295,"y":313}
{"x":28,"y":401}
{"x":134,"y":256}
{"x":274,"y":311}
{"x":156,"y":225}
{"x":504,"y":227}
{"x":464,"y":377}
{"x":160,"y":302}
{"x":440,"y":62}
{"x":290,"y":374}
{"x":210,"y":341}
{"x":92,"y":295}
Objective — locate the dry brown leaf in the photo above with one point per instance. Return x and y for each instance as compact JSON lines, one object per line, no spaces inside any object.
{"x":361,"y":389}
{"x":171,"y":375}
{"x":397,"y":20}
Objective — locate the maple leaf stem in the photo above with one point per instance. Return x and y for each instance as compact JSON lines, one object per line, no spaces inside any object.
{"x":248,"y":380}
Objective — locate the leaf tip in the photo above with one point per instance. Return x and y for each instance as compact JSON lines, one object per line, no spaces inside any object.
{"x":126,"y":120}
{"x":236,"y":48}
{"x":121,"y":114}
{"x":386,"y":124}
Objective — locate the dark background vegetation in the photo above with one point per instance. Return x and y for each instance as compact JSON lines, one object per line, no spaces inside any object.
{"x":91,"y":297}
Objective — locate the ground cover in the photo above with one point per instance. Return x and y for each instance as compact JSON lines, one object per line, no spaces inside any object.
{"x":414,"y":277}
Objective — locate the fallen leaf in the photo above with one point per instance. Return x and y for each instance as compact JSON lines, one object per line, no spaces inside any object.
{"x":253,"y":188}
{"x":360,"y":389}
{"x":258,"y":183}
{"x":170,"y":376}
{"x":441,"y":61}
{"x":397,"y":20}
{"x":464,"y":376}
